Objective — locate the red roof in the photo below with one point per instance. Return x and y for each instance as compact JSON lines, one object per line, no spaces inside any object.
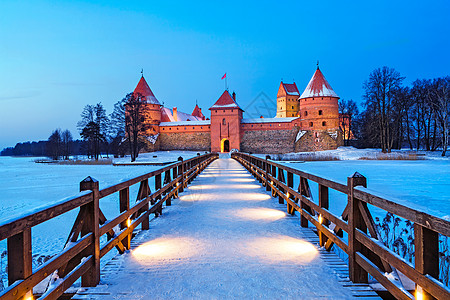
{"x":318,"y":86}
{"x":291,"y":89}
{"x":198,"y":112}
{"x":225,"y":101}
{"x":143,"y":89}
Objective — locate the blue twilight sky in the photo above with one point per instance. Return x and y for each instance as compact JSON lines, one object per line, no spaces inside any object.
{"x":58,"y":56}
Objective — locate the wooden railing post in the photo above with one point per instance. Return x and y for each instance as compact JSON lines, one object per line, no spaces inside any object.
{"x":324,"y":203}
{"x":181,"y":173}
{"x":267,"y":169}
{"x":281,"y":179}
{"x":290,"y":184}
{"x":19,"y":256}
{"x":124,"y":205}
{"x":92,"y":276}
{"x":426,"y":243}
{"x":355,"y":220}
{"x":304,"y":192}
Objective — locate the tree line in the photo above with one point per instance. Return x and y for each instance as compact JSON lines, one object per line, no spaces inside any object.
{"x":122,"y":131}
{"x":395,"y":115}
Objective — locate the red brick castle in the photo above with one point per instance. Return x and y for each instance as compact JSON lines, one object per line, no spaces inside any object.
{"x":306,"y":122}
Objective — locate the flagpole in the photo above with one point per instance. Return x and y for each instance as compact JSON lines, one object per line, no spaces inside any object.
{"x":226,"y":84}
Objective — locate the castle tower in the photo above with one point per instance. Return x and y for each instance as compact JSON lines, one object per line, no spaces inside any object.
{"x":153,"y":112}
{"x":226,"y":116}
{"x":198,"y":112}
{"x":287,"y":100}
{"x":319,"y":105}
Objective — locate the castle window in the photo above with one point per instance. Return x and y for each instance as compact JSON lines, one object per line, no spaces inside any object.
{"x":320,"y":112}
{"x":215,"y":111}
{"x":310,"y":124}
{"x":292,"y":107}
{"x":224,"y":122}
{"x":252,"y":125}
{"x":322,"y":98}
{"x":178,"y":128}
{"x":170,"y":128}
{"x":306,"y":113}
{"x":231,"y":110}
{"x":324,"y":123}
{"x":201,"y":127}
{"x":224,"y":110}
{"x":282,"y":108}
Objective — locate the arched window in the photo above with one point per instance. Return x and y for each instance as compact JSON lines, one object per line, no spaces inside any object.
{"x":224,"y":122}
{"x":292,"y":106}
{"x":320,"y":112}
{"x":310,"y":124}
{"x":324,"y":123}
{"x":306,"y":113}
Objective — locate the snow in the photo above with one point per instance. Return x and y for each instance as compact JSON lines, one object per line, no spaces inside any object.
{"x":268,"y":120}
{"x":225,"y":106}
{"x":223,"y":238}
{"x":300,"y":134}
{"x":186,"y":123}
{"x":27,"y":187}
{"x":158,"y":157}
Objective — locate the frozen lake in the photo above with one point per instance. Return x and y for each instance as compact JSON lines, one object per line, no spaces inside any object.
{"x":25,"y":185}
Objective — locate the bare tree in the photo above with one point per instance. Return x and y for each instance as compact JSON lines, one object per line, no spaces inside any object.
{"x":67,"y":140}
{"x":54,"y":144}
{"x":117,"y":128}
{"x":347,"y":110}
{"x":136,"y":110}
{"x":94,"y":128}
{"x":380,"y":92}
{"x":439,"y":96}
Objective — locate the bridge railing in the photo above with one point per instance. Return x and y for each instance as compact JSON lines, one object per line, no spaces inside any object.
{"x":355,"y":231}
{"x":82,"y":252}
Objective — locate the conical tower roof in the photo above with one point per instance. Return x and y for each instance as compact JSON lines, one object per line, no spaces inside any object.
{"x":225,"y":101}
{"x":198,"y":112}
{"x":143,"y":89}
{"x":318,"y":86}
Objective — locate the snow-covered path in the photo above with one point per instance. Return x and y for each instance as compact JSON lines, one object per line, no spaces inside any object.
{"x":224,"y":238}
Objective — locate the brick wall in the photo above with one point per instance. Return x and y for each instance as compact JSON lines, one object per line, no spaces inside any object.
{"x":185,"y":141}
{"x":269,"y":141}
{"x":319,"y":140}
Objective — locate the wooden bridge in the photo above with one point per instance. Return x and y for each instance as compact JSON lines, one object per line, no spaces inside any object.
{"x":226,"y":238}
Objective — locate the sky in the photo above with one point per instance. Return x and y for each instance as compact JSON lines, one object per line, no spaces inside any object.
{"x":58,"y":56}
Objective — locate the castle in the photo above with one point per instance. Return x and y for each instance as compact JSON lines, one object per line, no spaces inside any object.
{"x":306,"y":122}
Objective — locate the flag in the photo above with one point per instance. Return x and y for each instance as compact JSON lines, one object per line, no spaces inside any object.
{"x":224,"y":76}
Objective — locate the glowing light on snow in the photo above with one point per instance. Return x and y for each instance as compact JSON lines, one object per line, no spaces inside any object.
{"x":265,"y":214}
{"x":167,"y":248}
{"x":223,"y":186}
{"x":242,"y":179}
{"x":281,"y":248}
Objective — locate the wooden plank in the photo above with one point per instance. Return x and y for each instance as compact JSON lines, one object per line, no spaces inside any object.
{"x":425,"y":220}
{"x":426,"y":245}
{"x":19,"y":256}
{"x":355,"y":220}
{"x":22,"y":287}
{"x":435,"y":289}
{"x":67,"y":282}
{"x":10,"y":228}
{"x":124,"y":205}
{"x":92,"y":276}
{"x":323,"y":203}
{"x":368,"y":266}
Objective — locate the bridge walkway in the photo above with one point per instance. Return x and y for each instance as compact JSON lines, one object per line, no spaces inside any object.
{"x":225,"y":237}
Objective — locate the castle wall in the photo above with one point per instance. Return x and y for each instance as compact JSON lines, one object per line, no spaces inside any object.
{"x":269,"y":141}
{"x":318,"y":140}
{"x":185,"y":141}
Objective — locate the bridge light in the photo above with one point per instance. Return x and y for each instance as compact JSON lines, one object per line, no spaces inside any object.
{"x":320,"y":219}
{"x":128,"y":222}
{"x":419,"y":293}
